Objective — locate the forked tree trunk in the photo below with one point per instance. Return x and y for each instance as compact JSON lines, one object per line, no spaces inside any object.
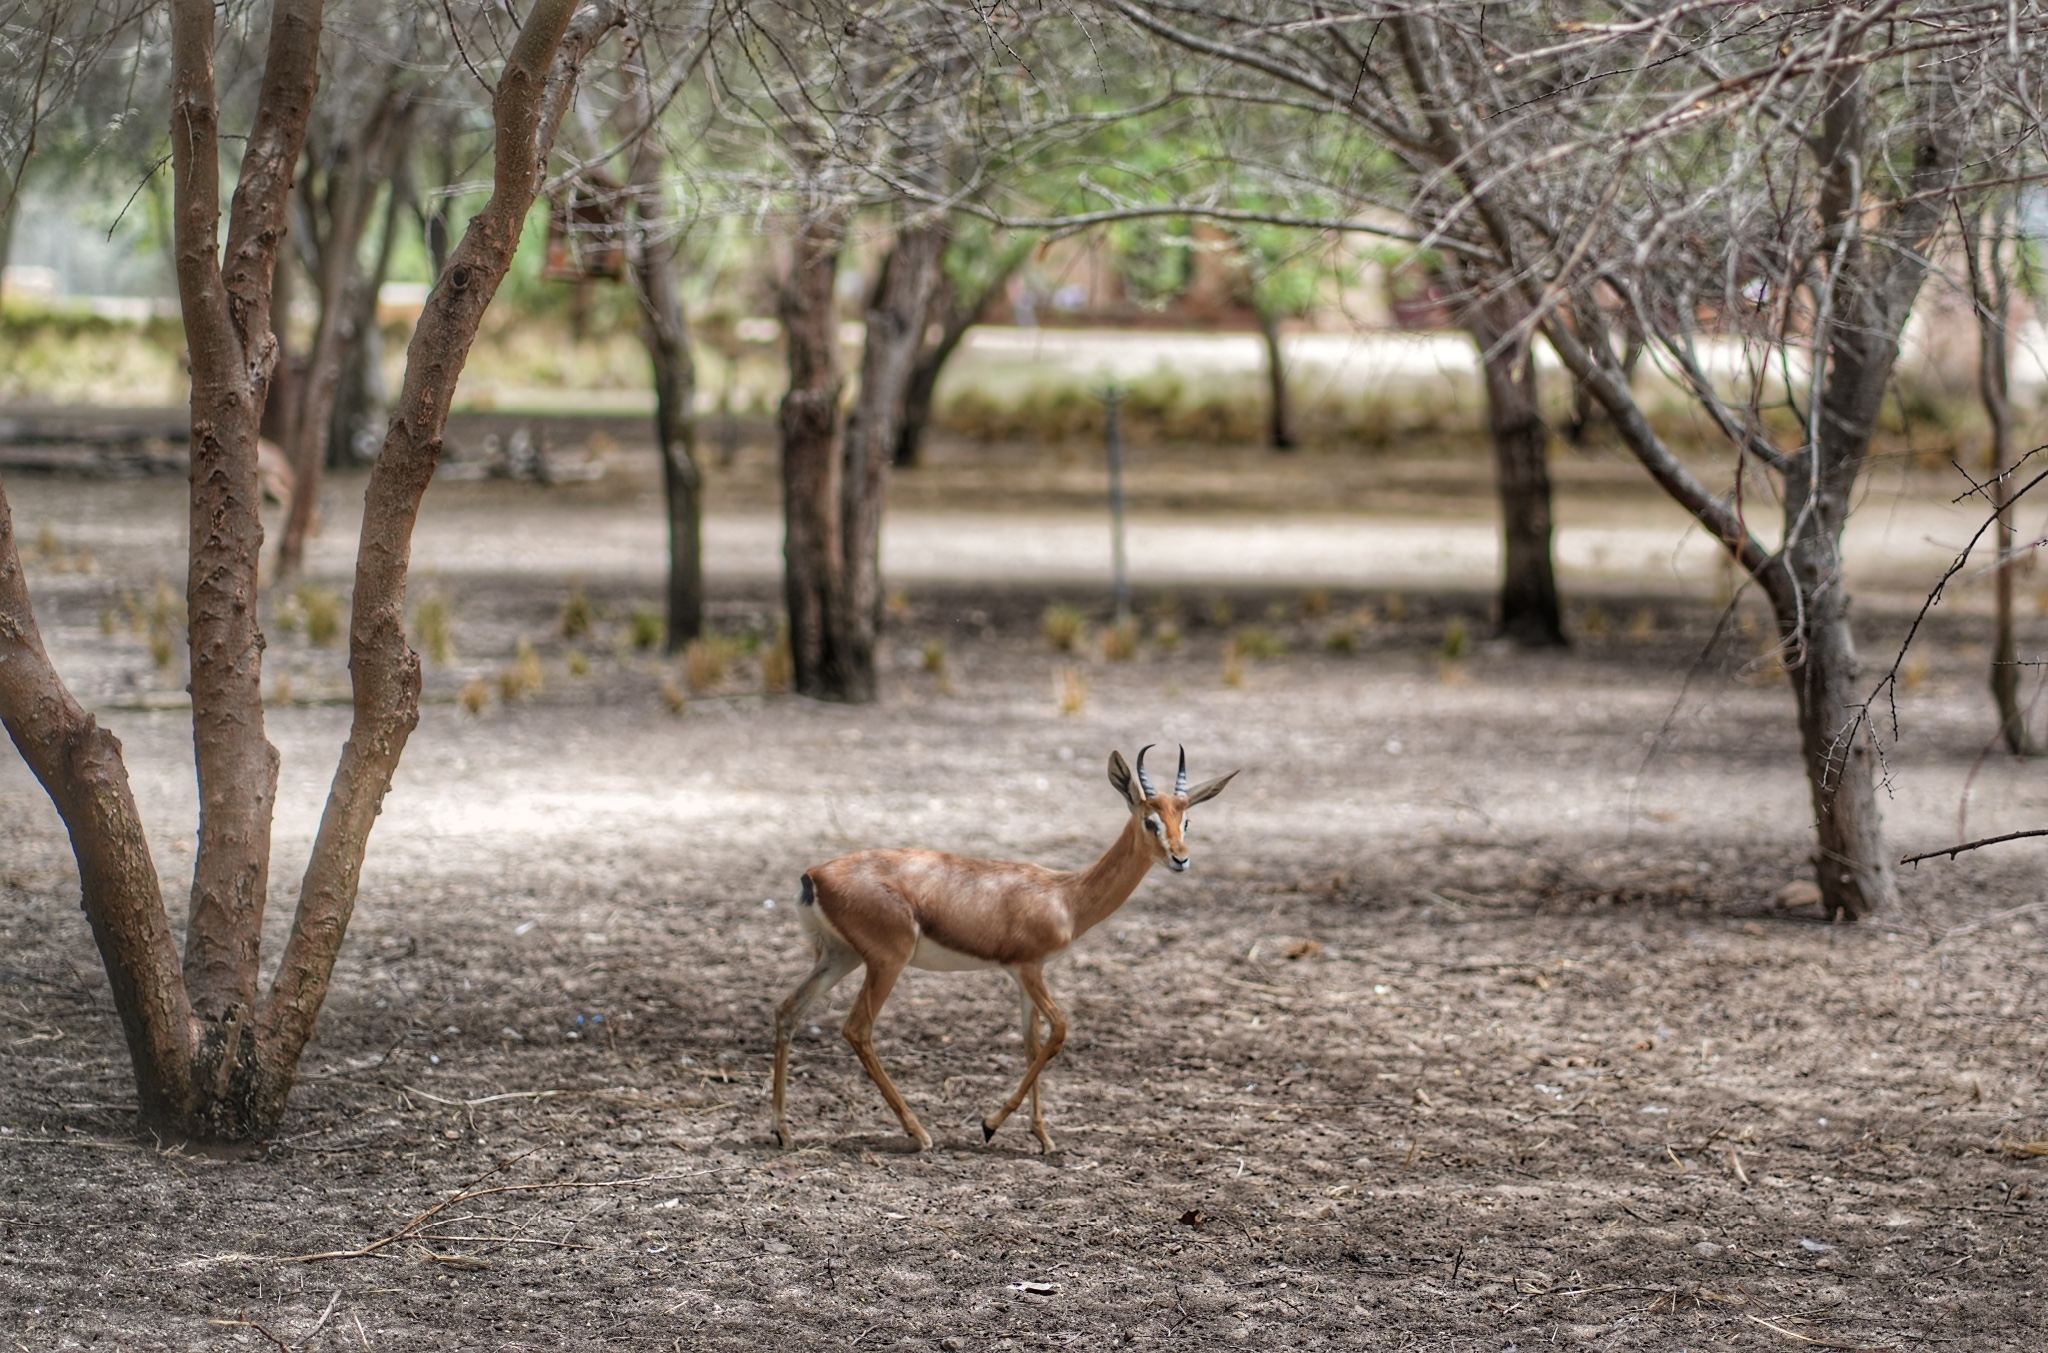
{"x":667,"y":339}
{"x":361,"y":167}
{"x":534,"y":90}
{"x":226,"y":307}
{"x":1530,"y":613}
{"x":895,"y":332}
{"x":1279,"y":404}
{"x":809,"y":427}
{"x":209,"y":1063}
{"x":957,"y":314}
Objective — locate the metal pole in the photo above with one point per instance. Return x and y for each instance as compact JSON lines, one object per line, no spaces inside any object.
{"x":1112,"y":399}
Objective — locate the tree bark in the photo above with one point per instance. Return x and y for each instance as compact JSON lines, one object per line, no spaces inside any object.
{"x":809,"y":426}
{"x":667,"y":338}
{"x":538,"y":81}
{"x":1991,"y":295}
{"x":363,"y":163}
{"x":1279,"y":404}
{"x":226,"y":305}
{"x":895,"y":333}
{"x":1530,"y":613}
{"x":959,"y":314}
{"x":79,"y":765}
{"x":208,"y":1064}
{"x":360,"y":400}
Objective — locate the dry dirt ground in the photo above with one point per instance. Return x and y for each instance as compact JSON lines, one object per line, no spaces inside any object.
{"x":1475,"y":1026}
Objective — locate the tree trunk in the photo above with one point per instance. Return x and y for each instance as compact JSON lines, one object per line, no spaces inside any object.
{"x":959,"y":314}
{"x":226,"y":305}
{"x":1991,"y":293}
{"x":361,"y":399}
{"x":1279,"y":405}
{"x":895,"y":332}
{"x":1835,"y":732}
{"x":363,"y":163}
{"x":208,"y":1064}
{"x":1529,"y":610}
{"x":809,"y":427}
{"x":537,"y":83}
{"x":924,"y":375}
{"x":675,"y":379}
{"x":79,"y":765}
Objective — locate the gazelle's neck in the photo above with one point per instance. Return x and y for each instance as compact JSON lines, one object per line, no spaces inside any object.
{"x":1102,"y":887}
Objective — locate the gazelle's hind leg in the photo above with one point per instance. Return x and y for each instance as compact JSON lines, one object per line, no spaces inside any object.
{"x":1030,"y":1012}
{"x":1032,"y":979}
{"x":860,"y":1032}
{"x":833,"y":964}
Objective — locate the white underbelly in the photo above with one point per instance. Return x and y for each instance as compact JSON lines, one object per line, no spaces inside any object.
{"x":935,"y":957}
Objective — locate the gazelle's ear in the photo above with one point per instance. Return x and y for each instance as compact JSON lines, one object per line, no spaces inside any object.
{"x":1120,"y":779}
{"x":1209,"y":789}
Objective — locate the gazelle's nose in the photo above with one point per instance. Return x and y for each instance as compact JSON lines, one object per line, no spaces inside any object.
{"x":1179,"y":864}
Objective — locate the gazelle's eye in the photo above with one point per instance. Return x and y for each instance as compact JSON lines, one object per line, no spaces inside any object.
{"x":1152,"y":825}
{"x":1186,"y":825}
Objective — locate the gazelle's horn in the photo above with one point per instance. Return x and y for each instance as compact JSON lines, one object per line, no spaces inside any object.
{"x":1180,"y":777}
{"x":1144,"y":783}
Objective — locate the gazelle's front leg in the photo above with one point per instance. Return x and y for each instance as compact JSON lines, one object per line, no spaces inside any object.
{"x":1030,"y":1013}
{"x":832,"y":965}
{"x":860,"y":1032}
{"x":1031,"y":978}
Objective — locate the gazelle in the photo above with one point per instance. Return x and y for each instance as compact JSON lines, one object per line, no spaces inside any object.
{"x":886,"y":910}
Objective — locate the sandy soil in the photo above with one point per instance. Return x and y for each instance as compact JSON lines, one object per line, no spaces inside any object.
{"x":1474,"y":1027}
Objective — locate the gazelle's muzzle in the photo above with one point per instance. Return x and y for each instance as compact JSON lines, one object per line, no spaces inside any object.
{"x":1179,"y":864}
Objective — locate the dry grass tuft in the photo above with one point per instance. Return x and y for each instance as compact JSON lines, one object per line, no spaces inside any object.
{"x":163,"y":621}
{"x":524,"y":677}
{"x":1120,"y":641}
{"x":579,"y":662}
{"x":1457,"y":640}
{"x":646,"y":628}
{"x":579,"y":617}
{"x":1254,"y":642}
{"x":674,"y":696}
{"x":1064,"y":626}
{"x":778,"y":669}
{"x":1315,"y":603}
{"x":1233,"y":666}
{"x":1593,"y":622}
{"x":321,"y":607}
{"x":705,"y":661}
{"x":933,"y":659}
{"x":1072,"y":689}
{"x":474,"y":695}
{"x":433,"y":627}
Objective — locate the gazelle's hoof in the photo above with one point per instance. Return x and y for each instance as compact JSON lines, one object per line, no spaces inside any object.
{"x":782,"y":1137}
{"x":923,"y":1139}
{"x":988,"y":1134}
{"x":1044,"y":1141}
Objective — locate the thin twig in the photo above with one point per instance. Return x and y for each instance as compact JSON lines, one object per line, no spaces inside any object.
{"x":1953,"y":851}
